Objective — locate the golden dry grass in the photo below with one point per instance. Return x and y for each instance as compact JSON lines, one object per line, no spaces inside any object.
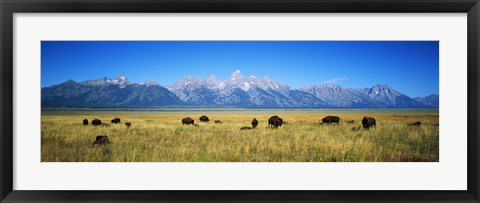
{"x":159,"y":136}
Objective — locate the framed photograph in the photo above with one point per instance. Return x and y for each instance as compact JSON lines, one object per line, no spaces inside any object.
{"x":256,"y":101}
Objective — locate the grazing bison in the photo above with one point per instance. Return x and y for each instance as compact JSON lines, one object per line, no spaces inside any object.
{"x":246,"y":128}
{"x":187,"y":121}
{"x":275,"y":122}
{"x":116,"y":120}
{"x":96,"y":122}
{"x":368,"y":122}
{"x":218,"y":121}
{"x":351,"y":122}
{"x":331,"y":119}
{"x":101,"y":140}
{"x":254,"y":123}
{"x":204,"y":118}
{"x":85,"y":121}
{"x":418,"y":123}
{"x":128,"y":124}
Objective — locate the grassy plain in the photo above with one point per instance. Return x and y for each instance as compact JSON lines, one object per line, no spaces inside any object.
{"x":159,"y":136}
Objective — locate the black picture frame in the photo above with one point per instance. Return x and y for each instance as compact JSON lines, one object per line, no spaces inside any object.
{"x":10,"y":7}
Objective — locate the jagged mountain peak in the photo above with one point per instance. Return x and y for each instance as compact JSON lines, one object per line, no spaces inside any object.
{"x":119,"y":80}
{"x":431,"y":100}
{"x":382,"y":90}
{"x":212,"y":78}
{"x":236,"y":91}
{"x":325,"y":87}
{"x":236,"y":80}
{"x":151,"y":83}
{"x":382,"y":86}
{"x":331,"y":86}
{"x":236,"y":74}
{"x":69,"y":82}
{"x":106,"y":92}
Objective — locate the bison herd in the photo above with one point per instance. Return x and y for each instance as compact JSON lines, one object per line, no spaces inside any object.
{"x":276,"y":121}
{"x":98,"y":122}
{"x":103,"y":139}
{"x":273,"y":122}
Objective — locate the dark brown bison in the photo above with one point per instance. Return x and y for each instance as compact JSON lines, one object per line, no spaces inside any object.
{"x":418,"y":123}
{"x":128,"y":124}
{"x":275,"y":122}
{"x":369,"y":122}
{"x":116,"y":120}
{"x":187,"y":121}
{"x":254,"y":123}
{"x":101,"y":140}
{"x":96,"y":122}
{"x":351,"y":122}
{"x":85,"y":121}
{"x":204,"y":118}
{"x":246,"y":128}
{"x":331,"y":119}
{"x":218,"y":121}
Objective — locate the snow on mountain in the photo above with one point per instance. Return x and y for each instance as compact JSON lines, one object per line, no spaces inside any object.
{"x":196,"y":90}
{"x":237,"y":80}
{"x":392,"y":98}
{"x":235,"y":91}
{"x":107,"y":93}
{"x":338,"y":96}
{"x":382,"y":93}
{"x":121,"y":80}
{"x":253,"y":91}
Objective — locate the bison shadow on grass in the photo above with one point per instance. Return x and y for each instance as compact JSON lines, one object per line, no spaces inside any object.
{"x":416,"y":124}
{"x":246,"y":128}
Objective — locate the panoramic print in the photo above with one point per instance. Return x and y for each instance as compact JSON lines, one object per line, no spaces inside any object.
{"x":240,"y":101}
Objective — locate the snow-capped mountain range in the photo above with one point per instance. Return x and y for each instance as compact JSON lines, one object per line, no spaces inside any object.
{"x":236,"y":91}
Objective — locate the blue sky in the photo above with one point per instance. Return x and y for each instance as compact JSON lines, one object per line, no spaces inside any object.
{"x":411,"y":67}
